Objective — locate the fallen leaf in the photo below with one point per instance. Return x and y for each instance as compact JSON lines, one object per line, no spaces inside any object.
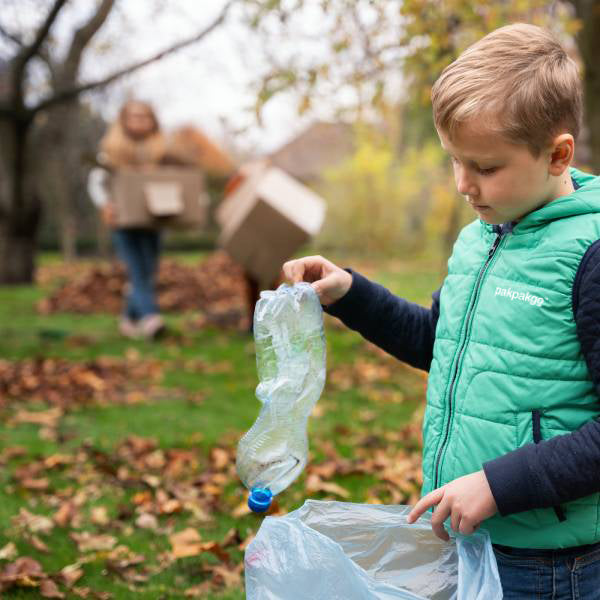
{"x":199,"y":591}
{"x":123,"y":557}
{"x":147,"y":521}
{"x":92,"y":380}
{"x":170,"y":506}
{"x":37,"y":543}
{"x":215,"y":549}
{"x":227,"y":576}
{"x":317,"y":411}
{"x":57,"y":460}
{"x":8,"y":552}
{"x":156,"y":459}
{"x":99,"y":515}
{"x":34,"y":523}
{"x":49,"y":589}
{"x":246,"y":542}
{"x":152,"y":480}
{"x":186,"y":543}
{"x":25,"y":572}
{"x":122,"y":560}
{"x":241,"y":510}
{"x":326,"y":469}
{"x":142,"y":498}
{"x":87,"y":542}
{"x":232,"y":537}
{"x":372,"y":499}
{"x":48,"y":418}
{"x":70,"y":574}
{"x":198,"y":511}
{"x":315,"y":484}
{"x":86,"y":592}
{"x":220,"y":458}
{"x":65,"y":514}
{"x":12,"y":452}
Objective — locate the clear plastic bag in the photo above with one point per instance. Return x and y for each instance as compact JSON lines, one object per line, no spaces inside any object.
{"x":291,"y":363}
{"x":346,"y":551}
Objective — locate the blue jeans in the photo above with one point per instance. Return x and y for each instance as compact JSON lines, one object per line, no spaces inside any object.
{"x":539,"y":575}
{"x":139,"y":250}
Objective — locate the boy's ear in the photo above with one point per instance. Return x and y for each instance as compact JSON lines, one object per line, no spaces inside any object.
{"x":561,"y":155}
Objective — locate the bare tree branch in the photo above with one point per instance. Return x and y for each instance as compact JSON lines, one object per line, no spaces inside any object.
{"x":68,"y":94}
{"x":13,"y":37}
{"x":30,"y":51}
{"x":82,"y":37}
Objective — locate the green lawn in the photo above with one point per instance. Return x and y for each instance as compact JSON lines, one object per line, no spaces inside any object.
{"x":202,"y":398}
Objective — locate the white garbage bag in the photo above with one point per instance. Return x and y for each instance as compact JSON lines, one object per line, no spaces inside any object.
{"x":347,"y":551}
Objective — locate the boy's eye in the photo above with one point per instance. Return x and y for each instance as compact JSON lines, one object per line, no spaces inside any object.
{"x":489,"y":171}
{"x":484,"y":172}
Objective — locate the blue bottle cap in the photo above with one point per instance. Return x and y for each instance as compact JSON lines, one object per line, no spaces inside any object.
{"x":260,"y":499}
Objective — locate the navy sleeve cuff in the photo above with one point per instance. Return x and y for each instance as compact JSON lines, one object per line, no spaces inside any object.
{"x":510,"y":480}
{"x":355,"y":299}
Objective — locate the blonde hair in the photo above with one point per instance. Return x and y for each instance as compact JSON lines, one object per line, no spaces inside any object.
{"x":521,"y":79}
{"x":120,"y":149}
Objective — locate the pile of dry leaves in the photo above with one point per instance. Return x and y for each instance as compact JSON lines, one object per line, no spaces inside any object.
{"x":216,"y":287}
{"x":62,"y":384}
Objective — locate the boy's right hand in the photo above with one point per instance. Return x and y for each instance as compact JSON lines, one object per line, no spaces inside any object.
{"x":329,"y":281}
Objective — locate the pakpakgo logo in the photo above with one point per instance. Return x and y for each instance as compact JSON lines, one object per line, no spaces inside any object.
{"x":523,"y":296}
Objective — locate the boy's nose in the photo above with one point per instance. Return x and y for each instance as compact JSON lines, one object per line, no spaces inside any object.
{"x":464,"y":184}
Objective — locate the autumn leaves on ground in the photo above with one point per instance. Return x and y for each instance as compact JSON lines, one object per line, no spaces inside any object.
{"x":117,"y":458}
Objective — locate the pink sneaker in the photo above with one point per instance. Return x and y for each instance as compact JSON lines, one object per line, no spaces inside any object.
{"x":151,"y":326}
{"x":129,"y":328}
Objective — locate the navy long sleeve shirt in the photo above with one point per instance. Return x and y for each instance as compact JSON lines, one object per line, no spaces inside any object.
{"x":540,"y":475}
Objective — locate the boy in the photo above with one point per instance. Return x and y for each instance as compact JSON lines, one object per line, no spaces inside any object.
{"x":512,"y":340}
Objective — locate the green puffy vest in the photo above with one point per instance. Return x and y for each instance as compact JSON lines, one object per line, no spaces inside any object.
{"x":507,"y":366}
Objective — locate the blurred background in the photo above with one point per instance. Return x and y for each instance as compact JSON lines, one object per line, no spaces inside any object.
{"x":115,"y":445}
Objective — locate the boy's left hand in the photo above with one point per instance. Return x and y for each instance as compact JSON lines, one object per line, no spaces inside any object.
{"x":467,"y":501}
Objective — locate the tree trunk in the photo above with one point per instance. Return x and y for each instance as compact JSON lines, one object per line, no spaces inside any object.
{"x":588,"y":41}
{"x":17,"y":255}
{"x":62,"y":173}
{"x":19,"y":205}
{"x":59,"y":196}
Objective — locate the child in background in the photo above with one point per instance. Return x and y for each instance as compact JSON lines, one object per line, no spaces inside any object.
{"x":133,"y":141}
{"x":512,"y":339}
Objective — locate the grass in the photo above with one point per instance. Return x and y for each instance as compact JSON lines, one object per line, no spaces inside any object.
{"x":173,"y":416}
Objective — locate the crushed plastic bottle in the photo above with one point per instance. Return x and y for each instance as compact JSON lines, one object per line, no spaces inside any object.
{"x":291,"y":363}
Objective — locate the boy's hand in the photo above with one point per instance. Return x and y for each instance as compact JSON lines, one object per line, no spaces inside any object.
{"x":328,"y":280}
{"x":467,"y":500}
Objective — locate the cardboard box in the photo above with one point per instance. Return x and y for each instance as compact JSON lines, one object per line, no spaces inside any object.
{"x":266,"y":219}
{"x":160,"y":197}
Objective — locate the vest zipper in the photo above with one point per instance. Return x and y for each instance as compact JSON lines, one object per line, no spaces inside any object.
{"x":484,"y":268}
